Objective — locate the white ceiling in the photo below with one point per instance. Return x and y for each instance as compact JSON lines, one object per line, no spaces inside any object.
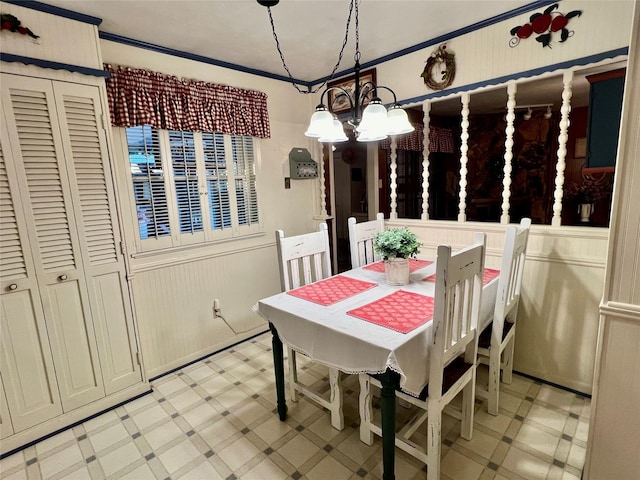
{"x":311,"y":33}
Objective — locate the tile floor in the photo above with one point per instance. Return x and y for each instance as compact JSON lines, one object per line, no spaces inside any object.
{"x":215,"y":420}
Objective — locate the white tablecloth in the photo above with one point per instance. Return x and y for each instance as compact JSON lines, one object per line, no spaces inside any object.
{"x":328,"y":335}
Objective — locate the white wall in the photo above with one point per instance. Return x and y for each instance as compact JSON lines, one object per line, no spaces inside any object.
{"x":485,"y":54}
{"x":562,"y":285}
{"x":614,"y":431}
{"x":173,"y":292}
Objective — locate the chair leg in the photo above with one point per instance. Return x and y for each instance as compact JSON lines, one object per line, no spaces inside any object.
{"x":434,"y":432}
{"x":335,"y":385}
{"x":293,"y":375}
{"x":493,"y":390}
{"x":365,"y":409}
{"x":468,"y":407}
{"x":507,"y":370}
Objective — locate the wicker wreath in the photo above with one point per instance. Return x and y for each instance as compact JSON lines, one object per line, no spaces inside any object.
{"x":448,"y":74}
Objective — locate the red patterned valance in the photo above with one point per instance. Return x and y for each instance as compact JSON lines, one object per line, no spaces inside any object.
{"x":143,"y":97}
{"x":440,"y":140}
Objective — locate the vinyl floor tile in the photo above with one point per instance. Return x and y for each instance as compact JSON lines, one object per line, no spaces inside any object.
{"x":201,"y":424}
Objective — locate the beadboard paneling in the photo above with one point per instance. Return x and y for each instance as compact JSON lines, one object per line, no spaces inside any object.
{"x":61,"y":39}
{"x":174,"y":305}
{"x":485,"y":54}
{"x":562,"y":288}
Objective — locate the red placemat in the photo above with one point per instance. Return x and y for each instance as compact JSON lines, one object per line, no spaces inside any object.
{"x":401,"y":311}
{"x":414,"y":264}
{"x":488,"y":275}
{"x":331,"y":290}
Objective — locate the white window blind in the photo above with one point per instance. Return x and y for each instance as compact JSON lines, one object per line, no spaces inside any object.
{"x":217,"y":181}
{"x":148,"y":182}
{"x":244,"y":168}
{"x":197,"y":186}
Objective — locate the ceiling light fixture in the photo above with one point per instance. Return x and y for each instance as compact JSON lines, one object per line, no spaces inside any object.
{"x":529,"y":112}
{"x":372,"y":120}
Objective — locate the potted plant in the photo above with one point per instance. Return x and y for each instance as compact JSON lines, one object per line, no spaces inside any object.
{"x":587,"y":193}
{"x":396,"y":246}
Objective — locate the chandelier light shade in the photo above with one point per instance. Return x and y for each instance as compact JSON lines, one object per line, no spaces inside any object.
{"x":371,"y":120}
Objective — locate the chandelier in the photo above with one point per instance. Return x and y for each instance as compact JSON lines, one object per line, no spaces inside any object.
{"x":368,"y":116}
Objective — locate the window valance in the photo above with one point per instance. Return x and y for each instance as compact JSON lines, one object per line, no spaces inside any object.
{"x":143,"y":97}
{"x":440,"y":140}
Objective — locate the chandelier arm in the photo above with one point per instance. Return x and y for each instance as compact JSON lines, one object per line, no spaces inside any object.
{"x":375,"y":87}
{"x":342,"y":92}
{"x":335,"y":68}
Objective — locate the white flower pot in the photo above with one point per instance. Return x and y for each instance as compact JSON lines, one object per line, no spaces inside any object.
{"x":397,"y":271}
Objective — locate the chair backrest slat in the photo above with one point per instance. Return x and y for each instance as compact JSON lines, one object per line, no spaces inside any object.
{"x":456,"y":307}
{"x":361,"y":240}
{"x":303,"y":258}
{"x":511,"y":271}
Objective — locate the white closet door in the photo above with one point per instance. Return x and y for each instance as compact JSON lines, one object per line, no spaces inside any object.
{"x":33,"y":126}
{"x":26,"y":363}
{"x":82,"y":127}
{"x":6,"y":428}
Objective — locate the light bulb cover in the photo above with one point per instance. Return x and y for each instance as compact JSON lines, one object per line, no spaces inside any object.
{"x":374,"y":117}
{"x":398,"y":121}
{"x":321,"y":122}
{"x":336,"y":134}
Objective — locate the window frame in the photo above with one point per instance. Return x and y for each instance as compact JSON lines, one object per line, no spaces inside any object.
{"x":207,"y":235}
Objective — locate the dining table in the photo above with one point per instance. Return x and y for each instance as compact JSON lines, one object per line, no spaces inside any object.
{"x":357,"y":323}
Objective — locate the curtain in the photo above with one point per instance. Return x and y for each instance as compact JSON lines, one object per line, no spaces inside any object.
{"x":440,"y":140}
{"x":144,"y":97}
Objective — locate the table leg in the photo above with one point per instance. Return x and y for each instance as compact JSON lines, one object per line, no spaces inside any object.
{"x":389,"y":381}
{"x":278,"y":367}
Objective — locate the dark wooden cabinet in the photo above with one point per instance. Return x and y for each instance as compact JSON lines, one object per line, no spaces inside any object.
{"x":605,"y":109}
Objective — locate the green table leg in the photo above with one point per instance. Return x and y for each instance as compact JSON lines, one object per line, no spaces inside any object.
{"x":278,"y":366}
{"x":389,"y":380}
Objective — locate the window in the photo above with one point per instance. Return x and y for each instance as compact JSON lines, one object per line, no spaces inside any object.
{"x":192,"y":187}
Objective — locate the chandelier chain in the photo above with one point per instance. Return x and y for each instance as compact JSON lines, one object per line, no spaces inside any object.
{"x":356,"y":56}
{"x":335,"y":68}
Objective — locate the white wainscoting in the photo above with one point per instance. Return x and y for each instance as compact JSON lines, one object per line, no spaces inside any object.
{"x":174,"y":305}
{"x":562,"y":288}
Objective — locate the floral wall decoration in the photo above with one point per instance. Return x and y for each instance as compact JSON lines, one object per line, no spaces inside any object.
{"x":442,"y":61}
{"x":11,"y":23}
{"x":545,"y":25}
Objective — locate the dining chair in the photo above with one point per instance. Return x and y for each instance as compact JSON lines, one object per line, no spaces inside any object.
{"x":496,"y":341}
{"x":305,"y":259}
{"x":451,"y":357}
{"x":361,"y":240}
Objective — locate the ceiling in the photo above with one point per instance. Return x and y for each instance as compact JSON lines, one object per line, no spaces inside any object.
{"x":310,"y":32}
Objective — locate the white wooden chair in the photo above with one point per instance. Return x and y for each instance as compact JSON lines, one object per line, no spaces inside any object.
{"x":496,"y":341}
{"x":361,"y":240}
{"x":456,"y":311}
{"x":306,"y":259}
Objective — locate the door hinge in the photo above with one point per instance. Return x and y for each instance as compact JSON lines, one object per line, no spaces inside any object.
{"x":104,"y":122}
{"x":121,"y":247}
{"x":138,"y":358}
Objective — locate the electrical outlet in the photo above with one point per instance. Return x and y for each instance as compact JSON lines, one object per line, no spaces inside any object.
{"x":216,"y":305}
{"x":287,"y":183}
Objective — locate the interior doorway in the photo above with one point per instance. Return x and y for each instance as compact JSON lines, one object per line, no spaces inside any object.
{"x":350,"y":193}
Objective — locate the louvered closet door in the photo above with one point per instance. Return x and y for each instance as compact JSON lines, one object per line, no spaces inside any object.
{"x":6,"y":428}
{"x":40,"y":163}
{"x":26,"y":364}
{"x":83,"y":135}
